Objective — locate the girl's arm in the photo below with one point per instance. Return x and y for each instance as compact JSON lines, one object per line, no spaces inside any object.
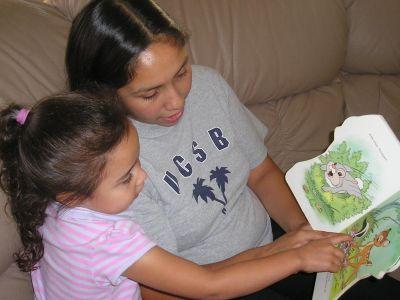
{"x":288,"y":241}
{"x":268,"y":183}
{"x":161,"y":270}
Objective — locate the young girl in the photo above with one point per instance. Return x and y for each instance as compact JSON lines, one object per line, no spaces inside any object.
{"x":211,"y":179}
{"x":69,"y":167}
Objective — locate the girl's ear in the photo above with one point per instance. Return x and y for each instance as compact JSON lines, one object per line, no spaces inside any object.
{"x":68,"y":199}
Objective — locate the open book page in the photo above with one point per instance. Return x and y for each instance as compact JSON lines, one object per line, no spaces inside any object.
{"x":357,"y":172}
{"x":374,"y":250}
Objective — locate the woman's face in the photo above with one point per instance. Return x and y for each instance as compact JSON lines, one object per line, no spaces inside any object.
{"x":162,"y":80}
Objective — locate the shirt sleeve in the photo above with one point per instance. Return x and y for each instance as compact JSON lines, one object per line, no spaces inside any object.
{"x":249,"y":131}
{"x":116,"y":250}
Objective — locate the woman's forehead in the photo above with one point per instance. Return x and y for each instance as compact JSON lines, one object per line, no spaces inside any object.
{"x":156,"y":65}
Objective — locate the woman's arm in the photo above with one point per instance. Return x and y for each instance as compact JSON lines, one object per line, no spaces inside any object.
{"x":268,"y":183}
{"x":161,"y":270}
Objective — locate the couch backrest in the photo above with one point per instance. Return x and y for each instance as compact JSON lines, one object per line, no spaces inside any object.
{"x":266,"y":49}
{"x":32,"y":38}
{"x":371,"y":78}
{"x":374,"y":37}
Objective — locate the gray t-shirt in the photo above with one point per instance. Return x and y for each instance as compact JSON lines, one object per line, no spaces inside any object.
{"x":196,"y":202}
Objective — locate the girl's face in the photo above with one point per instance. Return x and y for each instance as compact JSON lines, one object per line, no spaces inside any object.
{"x":122,"y":180}
{"x":162,"y":80}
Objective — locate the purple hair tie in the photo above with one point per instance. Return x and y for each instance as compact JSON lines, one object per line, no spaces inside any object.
{"x":22,"y":115}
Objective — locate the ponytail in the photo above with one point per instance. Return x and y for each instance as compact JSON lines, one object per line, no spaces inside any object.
{"x":10,"y":132}
{"x":27,"y":206}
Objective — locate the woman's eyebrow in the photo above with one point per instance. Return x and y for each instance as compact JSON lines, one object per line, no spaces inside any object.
{"x":147,"y":89}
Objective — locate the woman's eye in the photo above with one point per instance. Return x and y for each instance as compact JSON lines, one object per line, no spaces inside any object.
{"x":150,"y":97}
{"x":182,"y":73}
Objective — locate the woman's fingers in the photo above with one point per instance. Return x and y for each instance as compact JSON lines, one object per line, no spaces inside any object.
{"x":341,"y":238}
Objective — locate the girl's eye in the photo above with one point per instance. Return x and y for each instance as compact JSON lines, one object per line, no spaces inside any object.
{"x":128,"y":179}
{"x":150,"y":97}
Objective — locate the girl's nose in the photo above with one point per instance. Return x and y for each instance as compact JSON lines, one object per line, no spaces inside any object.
{"x":141,"y":176}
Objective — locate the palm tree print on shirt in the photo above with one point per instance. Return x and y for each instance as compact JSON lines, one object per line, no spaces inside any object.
{"x":206,"y":192}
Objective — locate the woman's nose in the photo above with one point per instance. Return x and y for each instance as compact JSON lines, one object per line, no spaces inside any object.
{"x":174,"y":101}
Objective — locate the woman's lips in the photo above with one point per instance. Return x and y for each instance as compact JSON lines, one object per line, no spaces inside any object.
{"x":174,"y":118}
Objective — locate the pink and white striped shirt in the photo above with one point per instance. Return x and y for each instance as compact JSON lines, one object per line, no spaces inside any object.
{"x":85,"y":253}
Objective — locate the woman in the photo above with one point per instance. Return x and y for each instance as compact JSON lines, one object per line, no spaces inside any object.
{"x":209,"y":172}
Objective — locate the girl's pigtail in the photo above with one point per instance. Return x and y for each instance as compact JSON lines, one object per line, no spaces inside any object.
{"x":27,"y":206}
{"x":10,"y":133}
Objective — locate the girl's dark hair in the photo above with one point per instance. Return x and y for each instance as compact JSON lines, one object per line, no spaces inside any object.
{"x":107,"y":37}
{"x":61,"y":149}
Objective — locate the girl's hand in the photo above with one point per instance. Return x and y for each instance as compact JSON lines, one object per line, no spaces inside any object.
{"x":296,"y":239}
{"x":322,"y":255}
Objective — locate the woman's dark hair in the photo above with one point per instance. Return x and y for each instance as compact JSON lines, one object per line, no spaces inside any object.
{"x":61,"y":149}
{"x":107,"y":37}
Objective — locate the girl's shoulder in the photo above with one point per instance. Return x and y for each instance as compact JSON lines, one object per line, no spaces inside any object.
{"x":78,"y":214}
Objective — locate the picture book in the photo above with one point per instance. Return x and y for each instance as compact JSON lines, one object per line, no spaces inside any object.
{"x":354,"y":188}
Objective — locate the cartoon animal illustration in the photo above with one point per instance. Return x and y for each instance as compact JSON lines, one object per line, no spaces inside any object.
{"x":361,"y":258}
{"x":347,"y":246}
{"x":339,"y":180}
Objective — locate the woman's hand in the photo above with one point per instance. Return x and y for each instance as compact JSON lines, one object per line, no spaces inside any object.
{"x":322,"y":255}
{"x":296,"y":239}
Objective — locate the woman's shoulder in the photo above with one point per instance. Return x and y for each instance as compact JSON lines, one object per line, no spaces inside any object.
{"x":206,"y":74}
{"x":204,"y":70}
{"x":207,"y":79}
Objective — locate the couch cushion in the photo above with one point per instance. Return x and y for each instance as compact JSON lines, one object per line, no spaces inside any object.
{"x":266,"y":49}
{"x":15,"y":285}
{"x":301,"y":126}
{"x":373,"y":94}
{"x":374,"y":36}
{"x":32,"y":46}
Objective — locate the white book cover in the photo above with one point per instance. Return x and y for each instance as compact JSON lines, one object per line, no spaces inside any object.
{"x":353,"y":187}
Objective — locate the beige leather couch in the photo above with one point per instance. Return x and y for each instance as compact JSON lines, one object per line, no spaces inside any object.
{"x":300,"y":66}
